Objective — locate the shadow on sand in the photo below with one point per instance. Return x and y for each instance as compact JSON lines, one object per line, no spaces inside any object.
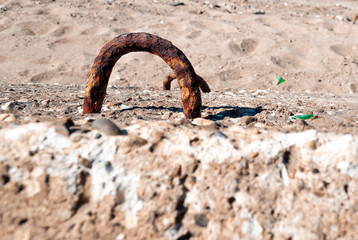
{"x":230,"y":111}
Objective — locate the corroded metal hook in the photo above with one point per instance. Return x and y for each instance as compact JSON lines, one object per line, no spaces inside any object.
{"x":98,"y":76}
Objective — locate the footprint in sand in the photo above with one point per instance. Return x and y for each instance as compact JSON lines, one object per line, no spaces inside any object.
{"x":246,"y":46}
{"x":32,"y":28}
{"x":275,"y":23}
{"x":229,"y":75}
{"x":286,"y":62}
{"x":197,"y":24}
{"x":193,"y":34}
{"x":60,"y":31}
{"x":53,"y":45}
{"x":97,"y":31}
{"x":345,"y":49}
{"x":42,"y":77}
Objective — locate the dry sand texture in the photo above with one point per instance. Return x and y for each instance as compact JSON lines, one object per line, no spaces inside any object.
{"x":233,"y":44}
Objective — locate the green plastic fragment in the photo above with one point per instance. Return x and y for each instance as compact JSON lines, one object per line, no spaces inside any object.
{"x":305,"y":116}
{"x":280,"y":80}
{"x":219,"y":115}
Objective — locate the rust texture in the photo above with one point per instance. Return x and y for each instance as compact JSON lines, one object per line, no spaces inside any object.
{"x":202,"y":83}
{"x":98,"y":76}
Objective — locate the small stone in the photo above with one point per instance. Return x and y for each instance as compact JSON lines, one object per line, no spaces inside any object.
{"x":75,"y":138}
{"x":131,"y":143}
{"x":203,"y":122}
{"x":260,"y":12}
{"x":180,"y":119}
{"x":8,"y":106}
{"x":353,"y":88}
{"x":279,"y":109}
{"x":112,"y":104}
{"x":86,"y":163}
{"x":63,"y":126}
{"x":175,"y":4}
{"x":312,"y":145}
{"x":339,"y":17}
{"x":3,"y":8}
{"x":201,"y":220}
{"x":260,"y":125}
{"x":167,"y":115}
{"x":45,"y":103}
{"x":220,"y":134}
{"x":107,"y":127}
{"x":177,"y":172}
{"x":246,"y":120}
{"x":301,"y":122}
{"x":120,"y":236}
{"x":123,"y":106}
{"x":108,"y":166}
{"x":214,"y":5}
{"x":80,"y":110}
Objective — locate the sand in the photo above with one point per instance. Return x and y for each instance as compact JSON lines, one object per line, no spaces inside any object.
{"x":232,"y":44}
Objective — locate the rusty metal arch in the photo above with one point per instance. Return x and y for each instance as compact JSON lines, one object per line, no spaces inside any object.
{"x":100,"y":72}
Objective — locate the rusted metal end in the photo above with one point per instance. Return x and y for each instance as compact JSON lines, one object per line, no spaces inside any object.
{"x":98,"y":76}
{"x":355,"y":19}
{"x":201,"y":82}
{"x":168,"y":80}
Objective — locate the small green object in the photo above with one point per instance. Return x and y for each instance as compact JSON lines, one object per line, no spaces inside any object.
{"x":108,"y":166}
{"x":306,"y":116}
{"x":280,"y":80}
{"x":225,"y":84}
{"x":219,"y":115}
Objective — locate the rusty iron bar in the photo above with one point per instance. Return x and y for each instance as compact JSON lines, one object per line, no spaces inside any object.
{"x":202,"y":83}
{"x":98,"y":76}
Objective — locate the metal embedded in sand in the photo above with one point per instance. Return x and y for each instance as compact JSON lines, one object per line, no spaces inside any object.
{"x":134,"y":42}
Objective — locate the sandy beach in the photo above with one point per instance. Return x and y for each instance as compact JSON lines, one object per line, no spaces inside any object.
{"x":232,"y":44}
